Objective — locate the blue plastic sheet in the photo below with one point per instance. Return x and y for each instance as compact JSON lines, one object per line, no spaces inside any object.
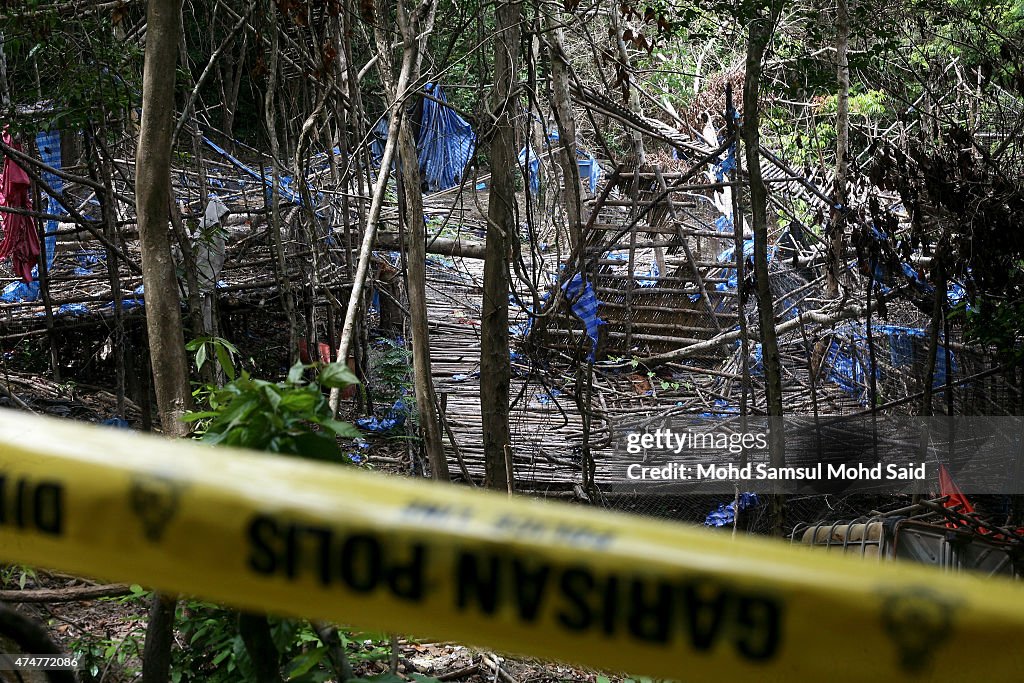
{"x":394,"y":419}
{"x":730,"y":273}
{"x":908,"y":343}
{"x":72,"y":309}
{"x":446,"y":142}
{"x":48,"y":143}
{"x":725,"y":515}
{"x":726,"y":165}
{"x":590,"y":170}
{"x":655,"y":272}
{"x":20,"y":291}
{"x":585,"y":305}
{"x":529,"y":164}
{"x":284,"y":188}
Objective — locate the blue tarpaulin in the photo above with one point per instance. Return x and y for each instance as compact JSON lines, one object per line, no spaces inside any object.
{"x":444,"y":142}
{"x":726,"y":165}
{"x":48,"y":143}
{"x":529,"y":164}
{"x":394,"y":419}
{"x":847,"y":358}
{"x":584,"y":304}
{"x":589,"y":169}
{"x":725,"y":515}
{"x":285,"y":187}
{"x":730,"y":273}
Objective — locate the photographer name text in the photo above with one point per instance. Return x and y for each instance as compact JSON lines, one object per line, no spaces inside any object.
{"x":765,"y":472}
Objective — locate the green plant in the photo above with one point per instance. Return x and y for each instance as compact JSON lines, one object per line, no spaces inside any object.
{"x":392,"y":368}
{"x":291,"y":417}
{"x":16,"y":575}
{"x":214,"y":347}
{"x":96,"y":655}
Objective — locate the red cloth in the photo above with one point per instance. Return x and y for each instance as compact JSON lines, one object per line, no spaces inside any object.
{"x":21,"y":241}
{"x":948,"y":487}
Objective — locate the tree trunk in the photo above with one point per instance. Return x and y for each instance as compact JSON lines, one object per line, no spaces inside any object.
{"x":837,"y":224}
{"x":416,"y":285}
{"x":277,"y":225}
{"x":635,"y":136}
{"x":501,"y":229}
{"x":760,"y":35}
{"x":566,"y":123}
{"x":152,"y":186}
{"x":266,"y":661}
{"x":163,"y":307}
{"x":414,"y":25}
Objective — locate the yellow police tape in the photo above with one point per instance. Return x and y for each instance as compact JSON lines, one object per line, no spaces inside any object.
{"x":551,"y":580}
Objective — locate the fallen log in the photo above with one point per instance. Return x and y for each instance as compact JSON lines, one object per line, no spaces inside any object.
{"x":442,"y":246}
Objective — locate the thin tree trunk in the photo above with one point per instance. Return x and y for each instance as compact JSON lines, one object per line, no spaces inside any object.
{"x":266,"y":660}
{"x":635,"y":136}
{"x":501,"y":229}
{"x":416,"y":284}
{"x":415,"y":26}
{"x":566,"y":123}
{"x":760,"y":34}
{"x":276,"y":223}
{"x":163,"y":307}
{"x":152,"y":186}
{"x":837,"y":224}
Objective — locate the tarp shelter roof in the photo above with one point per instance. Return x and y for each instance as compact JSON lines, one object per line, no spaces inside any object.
{"x":444,"y":141}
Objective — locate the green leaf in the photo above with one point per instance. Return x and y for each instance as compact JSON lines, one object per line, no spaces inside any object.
{"x":299,"y":402}
{"x":342,"y":429}
{"x":337,"y":376}
{"x":295,"y":373}
{"x":305,"y":661}
{"x":200,"y":415}
{"x":224,"y":358}
{"x":228,"y":345}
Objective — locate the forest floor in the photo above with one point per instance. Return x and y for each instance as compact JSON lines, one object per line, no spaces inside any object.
{"x":107,"y":636}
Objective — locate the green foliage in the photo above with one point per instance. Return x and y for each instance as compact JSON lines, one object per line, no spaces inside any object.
{"x":16,"y":575}
{"x":97,"y":655}
{"x":104,"y":74}
{"x":997,"y":325}
{"x":393,"y":368}
{"x":216,"y":653}
{"x":867,"y":104}
{"x":214,"y":347}
{"x":291,"y":417}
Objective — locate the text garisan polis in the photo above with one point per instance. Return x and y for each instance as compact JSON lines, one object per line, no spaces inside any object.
{"x":667,"y":440}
